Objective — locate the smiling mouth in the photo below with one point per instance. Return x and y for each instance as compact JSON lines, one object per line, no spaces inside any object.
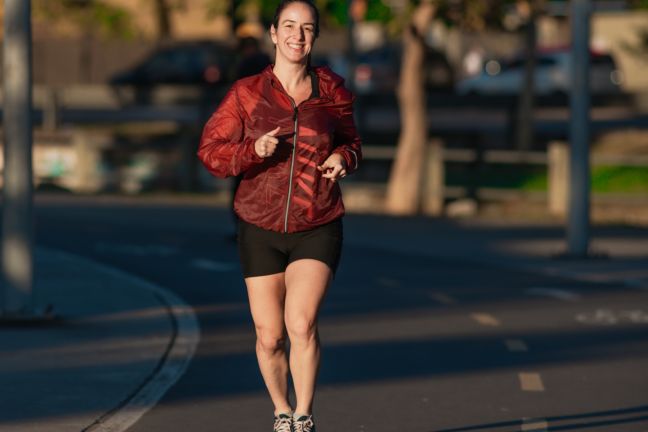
{"x":296,"y":47}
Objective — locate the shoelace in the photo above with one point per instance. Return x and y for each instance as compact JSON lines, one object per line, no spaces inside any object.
{"x":282,"y":424}
{"x":304,"y":425}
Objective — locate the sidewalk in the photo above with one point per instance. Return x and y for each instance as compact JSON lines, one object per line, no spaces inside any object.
{"x":115,"y":334}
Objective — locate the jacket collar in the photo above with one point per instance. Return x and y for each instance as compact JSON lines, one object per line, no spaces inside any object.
{"x":323,"y":80}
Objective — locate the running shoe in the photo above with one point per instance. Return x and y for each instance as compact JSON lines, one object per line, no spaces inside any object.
{"x":283,"y":423}
{"x":304,"y":424}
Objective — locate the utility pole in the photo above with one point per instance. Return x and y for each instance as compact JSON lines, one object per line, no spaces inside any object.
{"x":579,"y":132}
{"x":17,"y":227}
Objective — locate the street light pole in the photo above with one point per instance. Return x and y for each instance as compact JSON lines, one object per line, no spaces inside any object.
{"x":579,"y":132}
{"x":17,"y":227}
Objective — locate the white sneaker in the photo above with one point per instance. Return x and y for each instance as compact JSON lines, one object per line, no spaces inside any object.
{"x":283,"y":423}
{"x":304,"y":424}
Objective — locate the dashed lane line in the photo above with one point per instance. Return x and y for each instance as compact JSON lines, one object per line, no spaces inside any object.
{"x":531,"y":381}
{"x":516,"y":345}
{"x":217,"y":266}
{"x":442,"y":298}
{"x":485,"y":319}
{"x":560,"y":294}
{"x":534,"y":425}
{"x":388,"y":282}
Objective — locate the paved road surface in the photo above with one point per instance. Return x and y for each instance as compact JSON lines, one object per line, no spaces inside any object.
{"x":415,"y":339}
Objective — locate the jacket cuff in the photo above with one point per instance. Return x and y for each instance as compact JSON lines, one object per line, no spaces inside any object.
{"x":251,"y":156}
{"x":350,"y":157}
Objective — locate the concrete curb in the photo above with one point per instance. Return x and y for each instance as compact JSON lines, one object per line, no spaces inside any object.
{"x":171,"y":366}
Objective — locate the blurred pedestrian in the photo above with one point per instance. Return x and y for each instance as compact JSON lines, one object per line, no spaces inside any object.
{"x":290,"y":131}
{"x":252,"y":59}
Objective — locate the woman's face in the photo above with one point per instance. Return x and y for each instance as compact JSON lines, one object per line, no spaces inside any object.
{"x":295,"y":34}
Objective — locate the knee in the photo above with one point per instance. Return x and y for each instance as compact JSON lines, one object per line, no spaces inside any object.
{"x":270,"y":342}
{"x":301,"y":330}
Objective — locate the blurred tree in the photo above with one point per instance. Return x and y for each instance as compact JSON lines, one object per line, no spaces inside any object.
{"x":530,"y":11}
{"x":404,"y":184}
{"x":640,"y":48}
{"x":163,"y":11}
{"x":333,"y":13}
{"x":163,"y":18}
{"x":96,"y":16}
{"x":91,"y":18}
{"x":403,"y":189}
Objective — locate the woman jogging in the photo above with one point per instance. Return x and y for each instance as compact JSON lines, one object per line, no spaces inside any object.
{"x":289,"y":130}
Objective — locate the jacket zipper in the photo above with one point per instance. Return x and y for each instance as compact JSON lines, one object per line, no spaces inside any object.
{"x":292,"y":164}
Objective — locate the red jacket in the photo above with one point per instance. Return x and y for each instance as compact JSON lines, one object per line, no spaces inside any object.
{"x":284,"y":192}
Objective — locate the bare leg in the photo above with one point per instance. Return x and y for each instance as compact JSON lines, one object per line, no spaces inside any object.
{"x":306,"y":284}
{"x":267,"y":295}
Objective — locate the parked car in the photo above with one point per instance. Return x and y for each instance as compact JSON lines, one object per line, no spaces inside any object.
{"x":377,"y":70}
{"x":197,"y":63}
{"x":552,"y":75}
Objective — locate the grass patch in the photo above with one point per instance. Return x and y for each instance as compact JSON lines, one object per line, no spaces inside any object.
{"x":604,"y":179}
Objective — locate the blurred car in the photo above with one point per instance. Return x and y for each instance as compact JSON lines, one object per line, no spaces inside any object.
{"x":552,"y":75}
{"x":377,"y":70}
{"x":197,"y":63}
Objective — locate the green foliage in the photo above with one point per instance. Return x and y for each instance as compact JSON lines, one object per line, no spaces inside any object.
{"x":604,"y":179}
{"x":639,"y":4}
{"x":333,"y":13}
{"x":378,"y":11}
{"x":214,"y":8}
{"x":620,"y":179}
{"x":89,"y":16}
{"x":474,"y":14}
{"x":113,"y":21}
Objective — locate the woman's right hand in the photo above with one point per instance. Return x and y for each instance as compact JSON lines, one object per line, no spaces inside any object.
{"x":266,"y":144}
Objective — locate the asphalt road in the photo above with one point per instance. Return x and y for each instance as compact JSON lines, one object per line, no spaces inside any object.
{"x":410,"y":343}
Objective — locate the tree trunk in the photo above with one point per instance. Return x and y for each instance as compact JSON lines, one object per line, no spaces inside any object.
{"x":163,"y":17}
{"x":403,"y":189}
{"x":527,"y":92}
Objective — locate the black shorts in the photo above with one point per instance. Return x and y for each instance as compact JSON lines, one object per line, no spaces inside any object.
{"x":264,"y":252}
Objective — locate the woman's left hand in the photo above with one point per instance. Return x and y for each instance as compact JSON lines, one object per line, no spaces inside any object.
{"x":334,"y":167}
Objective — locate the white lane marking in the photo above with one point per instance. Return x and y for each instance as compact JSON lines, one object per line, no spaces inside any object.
{"x":442,"y":298}
{"x":516,"y":345}
{"x":556,"y":293}
{"x":485,"y":319}
{"x":178,"y":357}
{"x":531,"y":381}
{"x":534,"y":425}
{"x":137,"y":250}
{"x":611,"y":317}
{"x":218,"y":266}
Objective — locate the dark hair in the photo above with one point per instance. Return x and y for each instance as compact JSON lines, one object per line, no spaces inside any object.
{"x":286,"y":3}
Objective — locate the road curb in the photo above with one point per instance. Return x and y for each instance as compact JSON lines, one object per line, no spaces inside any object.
{"x":170,"y":367}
